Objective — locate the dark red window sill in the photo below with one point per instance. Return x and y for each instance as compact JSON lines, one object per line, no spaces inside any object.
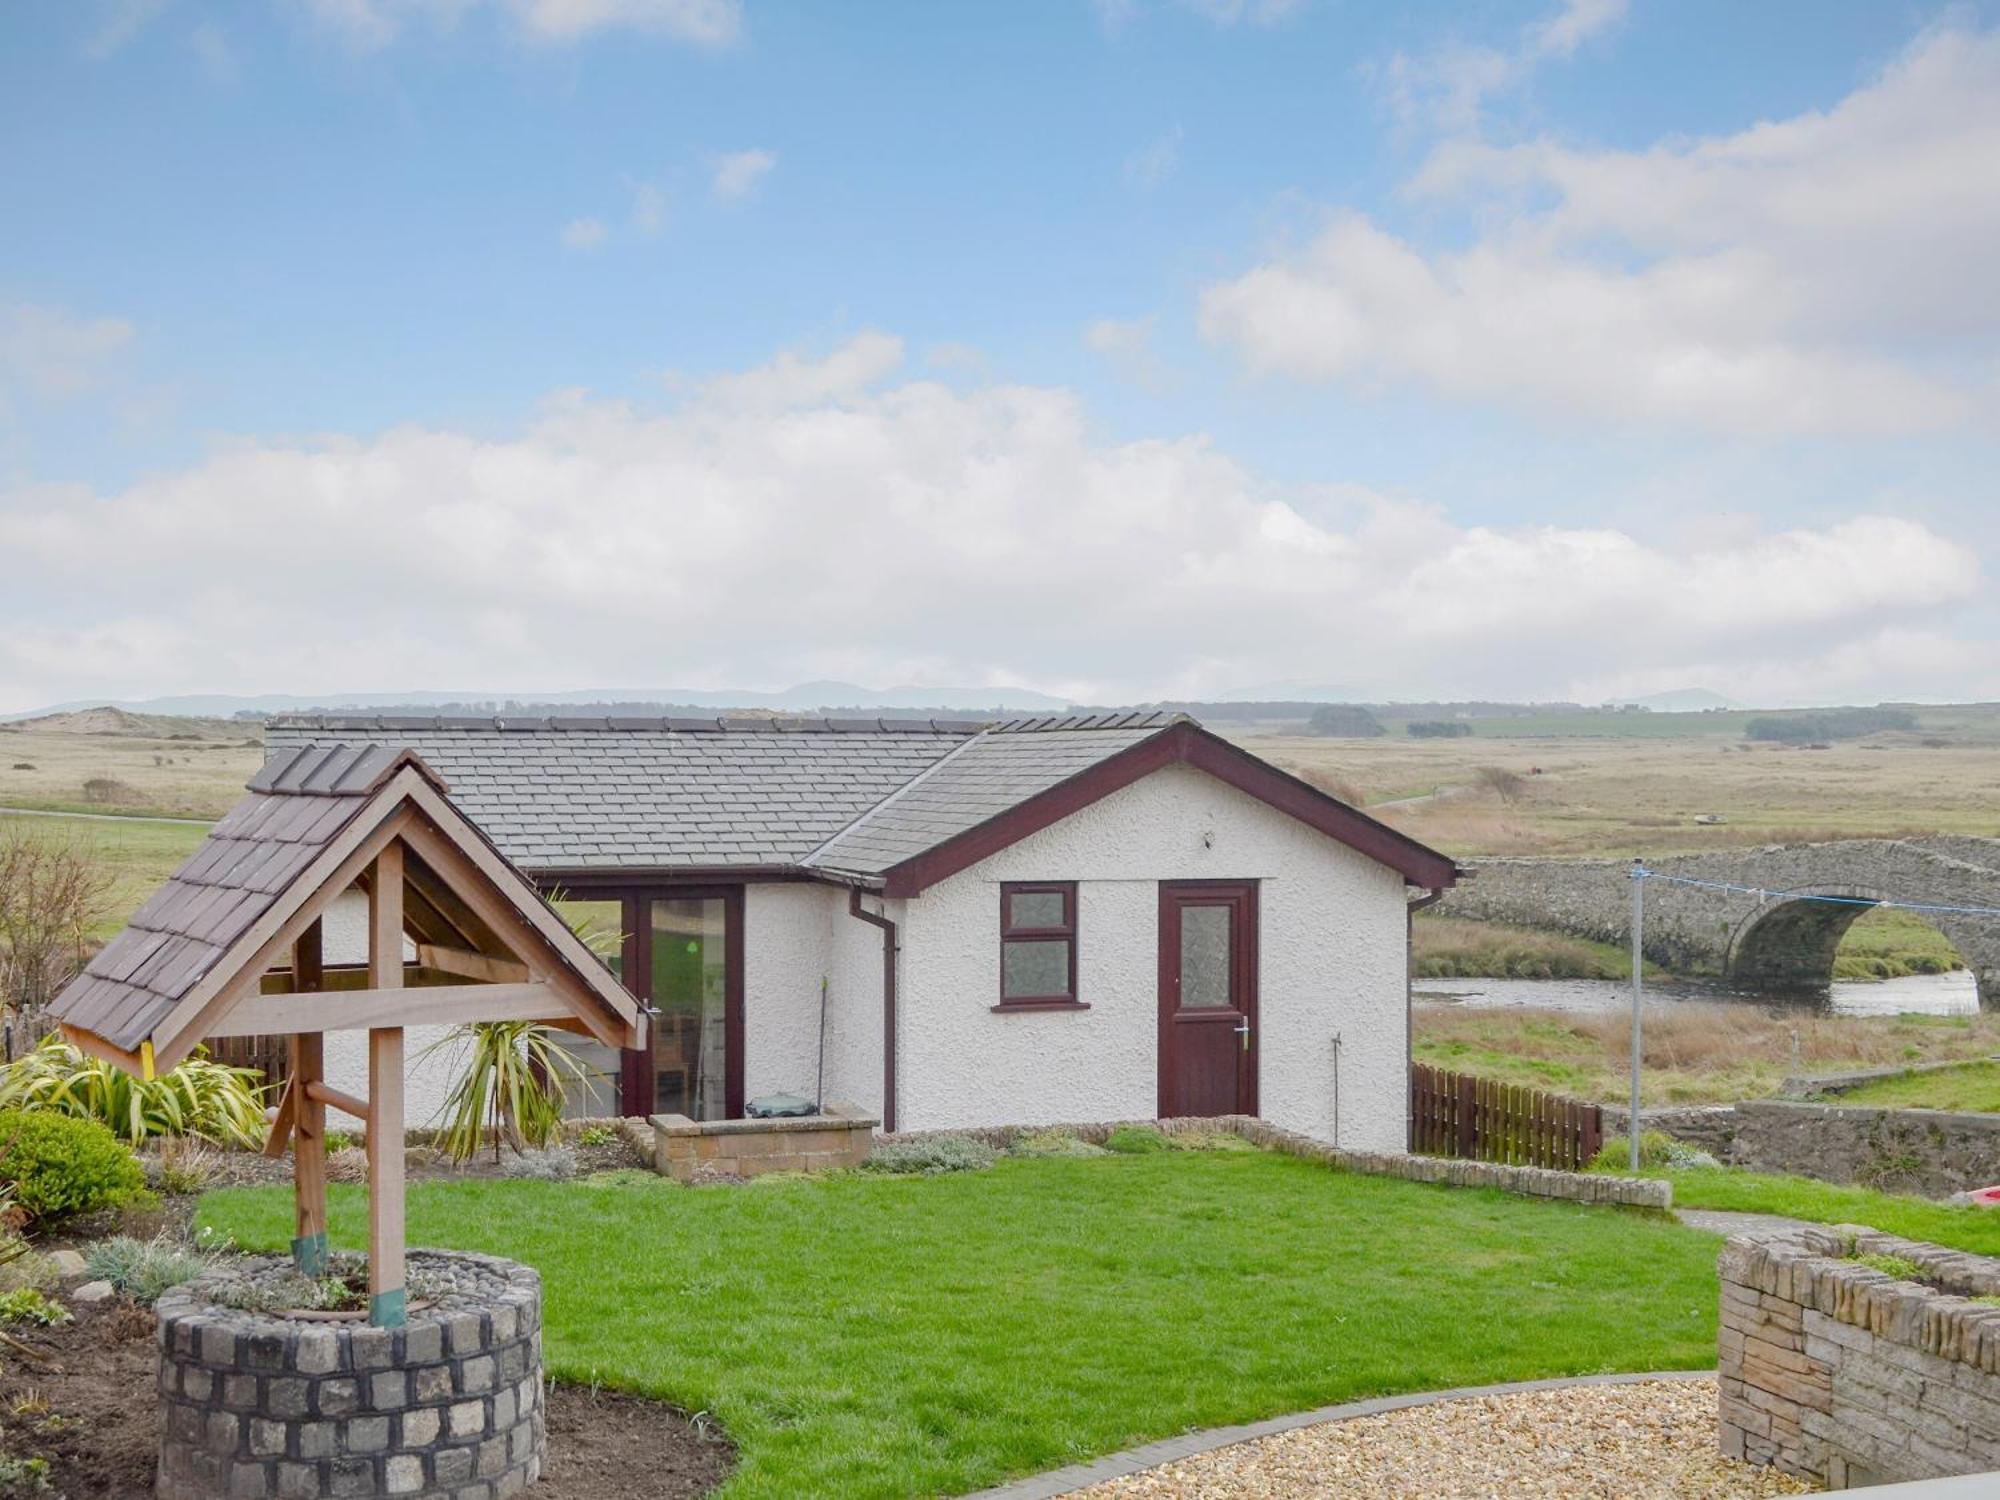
{"x":1007,"y":1005}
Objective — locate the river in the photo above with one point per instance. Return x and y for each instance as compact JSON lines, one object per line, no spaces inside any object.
{"x":1951,"y":994}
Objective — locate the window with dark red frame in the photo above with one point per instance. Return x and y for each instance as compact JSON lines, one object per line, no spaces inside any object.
{"x":1038,"y":946}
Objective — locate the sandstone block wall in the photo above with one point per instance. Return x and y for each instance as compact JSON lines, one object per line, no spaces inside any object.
{"x":1844,"y":1374}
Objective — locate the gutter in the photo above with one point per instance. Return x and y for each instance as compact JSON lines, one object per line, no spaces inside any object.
{"x":1410,"y":910}
{"x":889,"y":945}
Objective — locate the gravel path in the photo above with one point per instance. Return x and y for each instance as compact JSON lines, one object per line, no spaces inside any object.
{"x":1650,"y":1441}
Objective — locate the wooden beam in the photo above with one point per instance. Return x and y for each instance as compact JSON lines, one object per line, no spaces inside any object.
{"x":386,"y":1297}
{"x":364,"y":1010}
{"x":309,"y":1242}
{"x":386,"y":1294}
{"x":472,"y":965}
{"x":282,"y":1123}
{"x":96,"y":1046}
{"x":321,"y":1092}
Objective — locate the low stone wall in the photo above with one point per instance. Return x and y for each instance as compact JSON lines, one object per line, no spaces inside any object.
{"x":1533,"y":1182}
{"x":261,"y":1407}
{"x":1838,"y":1372}
{"x":1707,"y":1127}
{"x":687,"y":1150}
{"x":1926,"y":1151}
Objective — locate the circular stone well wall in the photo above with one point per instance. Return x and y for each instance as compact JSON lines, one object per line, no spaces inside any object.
{"x":260,"y":1407}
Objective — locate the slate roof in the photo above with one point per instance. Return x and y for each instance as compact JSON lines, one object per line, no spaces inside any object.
{"x":297,"y":805}
{"x":981,"y":779}
{"x":564,"y":794}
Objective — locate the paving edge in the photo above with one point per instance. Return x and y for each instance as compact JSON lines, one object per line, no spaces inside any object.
{"x":1169,"y":1450}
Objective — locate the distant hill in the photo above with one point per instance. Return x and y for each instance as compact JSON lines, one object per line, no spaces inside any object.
{"x":807,"y":697}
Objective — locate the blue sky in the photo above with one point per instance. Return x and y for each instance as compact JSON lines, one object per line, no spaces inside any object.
{"x":1117,"y":349}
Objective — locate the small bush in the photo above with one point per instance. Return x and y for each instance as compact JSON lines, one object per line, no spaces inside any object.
{"x":596,"y":1135}
{"x":185,"y":1167}
{"x":1136,"y":1140}
{"x":58,"y":1165}
{"x":1054,"y":1143}
{"x":1657,"y":1151}
{"x":143,"y":1269}
{"x":555,"y":1164}
{"x":932,"y":1157}
{"x":24,"y":1477}
{"x":26,"y":1305}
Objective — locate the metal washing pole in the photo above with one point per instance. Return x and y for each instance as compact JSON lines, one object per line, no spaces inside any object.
{"x":1638,"y":994}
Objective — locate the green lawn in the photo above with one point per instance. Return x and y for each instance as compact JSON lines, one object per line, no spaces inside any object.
{"x":1975,"y":1229}
{"x":1974,"y":1086}
{"x":870,"y":1336}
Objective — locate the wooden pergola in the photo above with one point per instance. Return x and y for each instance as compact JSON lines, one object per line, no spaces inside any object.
{"x":234,"y":944}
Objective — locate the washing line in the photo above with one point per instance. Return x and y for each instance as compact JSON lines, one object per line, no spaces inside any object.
{"x":1763,"y":893}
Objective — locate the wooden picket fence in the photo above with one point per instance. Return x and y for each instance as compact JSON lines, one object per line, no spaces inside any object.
{"x":1458,"y":1114}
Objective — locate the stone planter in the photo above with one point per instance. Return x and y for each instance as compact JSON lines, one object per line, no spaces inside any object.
{"x":1835,"y":1371}
{"x":687,"y":1150}
{"x":256,"y":1406}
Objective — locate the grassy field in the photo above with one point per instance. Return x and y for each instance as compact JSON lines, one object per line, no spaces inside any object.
{"x":1640,"y":794}
{"x":1975,"y":1086}
{"x":865,"y":1336}
{"x":168,"y":767}
{"x":1694,"y":1053}
{"x":135,"y":853}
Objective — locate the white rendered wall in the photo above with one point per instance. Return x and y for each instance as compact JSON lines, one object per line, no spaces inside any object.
{"x":1331,"y":958}
{"x":795,"y":935}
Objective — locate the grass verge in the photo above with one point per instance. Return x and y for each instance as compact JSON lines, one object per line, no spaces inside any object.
{"x":869,"y":1336}
{"x":1974,"y":1229}
{"x":1695,"y":1053}
{"x":1974,"y":1087}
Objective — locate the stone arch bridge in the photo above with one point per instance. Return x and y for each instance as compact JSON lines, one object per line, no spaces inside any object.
{"x":1767,"y":938}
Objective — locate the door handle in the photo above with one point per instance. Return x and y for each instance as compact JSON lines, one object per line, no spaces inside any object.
{"x":1244,"y":1032}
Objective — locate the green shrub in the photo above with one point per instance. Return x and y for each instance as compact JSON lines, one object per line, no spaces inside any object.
{"x":1136,"y":1140}
{"x":199,"y":1098}
{"x":143,"y":1269}
{"x":931,"y":1157}
{"x":1054,"y":1143}
{"x":24,"y":1477}
{"x":1656,"y":1150}
{"x":58,"y":1165}
{"x":26,"y":1305}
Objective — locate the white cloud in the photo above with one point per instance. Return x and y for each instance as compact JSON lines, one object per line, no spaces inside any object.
{"x":1826,"y":273}
{"x":584,"y":234}
{"x":46,"y":353}
{"x":814,"y":518}
{"x":212,"y":48}
{"x":1449,"y":87}
{"x":649,"y":208}
{"x":371,"y":24}
{"x":1156,"y":161}
{"x":736,"y":174}
{"x":1128,"y":346}
{"x":122,"y":23}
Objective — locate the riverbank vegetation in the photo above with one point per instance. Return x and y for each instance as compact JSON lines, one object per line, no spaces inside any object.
{"x":1695,"y":1053}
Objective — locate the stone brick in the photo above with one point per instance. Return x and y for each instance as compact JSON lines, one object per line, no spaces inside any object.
{"x":476,"y":1375}
{"x":336,"y":1398}
{"x":389,"y":1390}
{"x":403,"y":1474}
{"x":249,"y":1482}
{"x":316,"y":1439}
{"x":286,"y":1396}
{"x":466,"y":1334}
{"x":240,"y":1393}
{"x":267,"y":1438}
{"x":371,"y":1348}
{"x":467,"y":1419}
{"x":422,"y":1343}
{"x":317,"y":1352}
{"x":298,"y":1482}
{"x":351,"y":1476}
{"x":420,"y":1428}
{"x":452,"y":1465}
{"x":430,"y":1383}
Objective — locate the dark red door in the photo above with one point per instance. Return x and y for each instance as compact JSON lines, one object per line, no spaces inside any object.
{"x":1208,"y":997}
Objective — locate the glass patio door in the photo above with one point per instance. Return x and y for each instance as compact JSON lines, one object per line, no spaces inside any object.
{"x":689,"y":938}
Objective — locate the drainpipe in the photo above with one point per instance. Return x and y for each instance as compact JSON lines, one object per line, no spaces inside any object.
{"x":1410,"y":910}
{"x":888,"y":926}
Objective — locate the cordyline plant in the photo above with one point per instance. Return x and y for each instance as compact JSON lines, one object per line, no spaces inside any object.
{"x":200,"y":1097}
{"x":512,"y":1085}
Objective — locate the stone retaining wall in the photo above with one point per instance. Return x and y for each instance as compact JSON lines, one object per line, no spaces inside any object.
{"x":1845,"y":1375}
{"x":1533,"y":1182}
{"x":1925,"y":1151}
{"x":260,"y":1407}
{"x":685,"y":1149}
